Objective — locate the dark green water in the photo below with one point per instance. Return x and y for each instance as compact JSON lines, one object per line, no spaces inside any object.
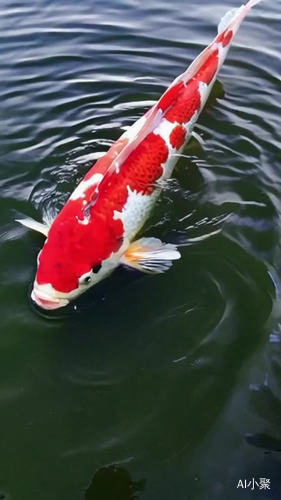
{"x":154,"y":388}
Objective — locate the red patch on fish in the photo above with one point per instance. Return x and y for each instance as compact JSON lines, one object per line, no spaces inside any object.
{"x":80,"y":246}
{"x":186,"y":105}
{"x":177,"y":136}
{"x":144,"y":165}
{"x":103,"y":163}
{"x":84,"y":241}
{"x":139,"y":171}
{"x":208,"y":69}
{"x":225,"y":37}
{"x":170,"y":96}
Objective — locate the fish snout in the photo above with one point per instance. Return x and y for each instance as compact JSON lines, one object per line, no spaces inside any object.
{"x":45,"y":301}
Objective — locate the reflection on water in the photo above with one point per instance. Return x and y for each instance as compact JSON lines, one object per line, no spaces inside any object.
{"x":114,"y":483}
{"x":264,"y":441}
{"x":265,"y":401}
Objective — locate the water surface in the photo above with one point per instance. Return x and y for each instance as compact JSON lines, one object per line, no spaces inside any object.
{"x":153,"y":388}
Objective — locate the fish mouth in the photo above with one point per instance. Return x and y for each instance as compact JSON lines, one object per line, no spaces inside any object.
{"x":46,"y":302}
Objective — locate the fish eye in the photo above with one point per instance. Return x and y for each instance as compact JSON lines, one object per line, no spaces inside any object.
{"x":87,"y":279}
{"x":96,"y":268}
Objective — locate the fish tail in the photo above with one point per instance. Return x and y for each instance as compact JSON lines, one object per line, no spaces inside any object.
{"x":234,"y":17}
{"x":227,"y":28}
{"x":253,"y":2}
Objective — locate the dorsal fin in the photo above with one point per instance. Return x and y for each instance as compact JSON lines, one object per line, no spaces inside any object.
{"x":152,"y":120}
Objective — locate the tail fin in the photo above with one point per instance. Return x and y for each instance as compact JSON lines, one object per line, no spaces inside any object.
{"x":233,"y":18}
{"x":229,"y":18}
{"x":229,"y":23}
{"x":253,"y":2}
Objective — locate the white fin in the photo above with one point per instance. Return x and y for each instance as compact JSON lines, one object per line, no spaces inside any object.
{"x":232,"y":17}
{"x":33,"y":224}
{"x":251,"y":3}
{"x":228,"y":18}
{"x":49,"y":216}
{"x":150,"y":255}
{"x":198,"y":138}
{"x":237,"y":14}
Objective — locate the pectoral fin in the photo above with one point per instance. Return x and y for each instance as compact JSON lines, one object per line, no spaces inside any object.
{"x":150,"y":255}
{"x":198,"y":138}
{"x":33,"y":224}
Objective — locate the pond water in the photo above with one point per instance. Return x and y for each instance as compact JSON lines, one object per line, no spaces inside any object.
{"x":155,"y":387}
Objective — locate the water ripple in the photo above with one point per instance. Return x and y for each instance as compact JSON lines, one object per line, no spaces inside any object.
{"x":151,"y":370}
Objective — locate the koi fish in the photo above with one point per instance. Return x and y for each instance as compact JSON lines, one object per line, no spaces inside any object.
{"x":96,"y":229}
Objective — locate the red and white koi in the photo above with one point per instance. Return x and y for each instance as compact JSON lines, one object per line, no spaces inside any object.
{"x":96,"y":229}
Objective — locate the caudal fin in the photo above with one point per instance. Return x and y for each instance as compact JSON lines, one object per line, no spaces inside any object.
{"x":233,"y":18}
{"x":251,"y":3}
{"x":227,"y":28}
{"x":229,"y":18}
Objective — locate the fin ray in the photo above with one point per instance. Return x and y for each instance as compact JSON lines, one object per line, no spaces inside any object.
{"x":34,"y":225}
{"x":150,"y":255}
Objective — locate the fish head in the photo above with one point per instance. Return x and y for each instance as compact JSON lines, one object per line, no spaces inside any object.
{"x":74,"y":258}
